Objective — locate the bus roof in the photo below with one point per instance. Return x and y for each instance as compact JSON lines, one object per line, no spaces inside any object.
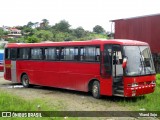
{"x":78,"y":43}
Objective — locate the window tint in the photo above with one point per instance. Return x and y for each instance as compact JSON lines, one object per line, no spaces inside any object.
{"x":36,"y":53}
{"x":97,"y":54}
{"x":13,"y":53}
{"x":50,"y":53}
{"x":90,"y":54}
{"x":76,"y":57}
{"x":107,"y":59}
{"x":69,"y":53}
{"x":82,"y":54}
{"x":62,"y":54}
{"x":57,"y":53}
{"x":7,"y":53}
{"x":23,"y":53}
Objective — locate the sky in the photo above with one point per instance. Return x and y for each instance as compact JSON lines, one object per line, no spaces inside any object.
{"x":84,"y":13}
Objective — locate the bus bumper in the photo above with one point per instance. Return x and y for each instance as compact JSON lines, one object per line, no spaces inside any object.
{"x":139,"y":90}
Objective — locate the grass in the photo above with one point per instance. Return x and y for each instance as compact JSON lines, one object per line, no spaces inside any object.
{"x":149,"y":102}
{"x":9,"y":102}
{"x":158,"y":79}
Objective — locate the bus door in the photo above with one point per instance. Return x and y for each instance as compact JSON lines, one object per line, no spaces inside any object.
{"x":117,"y":70}
{"x":13,"y":64}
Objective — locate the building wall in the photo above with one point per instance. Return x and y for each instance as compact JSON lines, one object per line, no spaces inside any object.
{"x":145,"y":29}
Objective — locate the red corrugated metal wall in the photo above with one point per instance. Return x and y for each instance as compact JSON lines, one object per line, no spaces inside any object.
{"x":145,"y":29}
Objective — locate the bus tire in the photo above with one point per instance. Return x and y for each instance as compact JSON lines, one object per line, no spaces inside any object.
{"x":25,"y":81}
{"x":96,"y":89}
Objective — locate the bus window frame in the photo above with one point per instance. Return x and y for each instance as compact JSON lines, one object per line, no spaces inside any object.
{"x":6,"y":51}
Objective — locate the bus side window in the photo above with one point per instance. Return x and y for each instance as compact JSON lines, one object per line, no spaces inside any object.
{"x":97,"y":54}
{"x":57,"y":53}
{"x":76,"y":57}
{"x":23,"y":53}
{"x":50,"y":54}
{"x":13,"y":53}
{"x":82,"y":52}
{"x":69,"y":53}
{"x":7,"y":53}
{"x":90,"y":54}
{"x":62,"y":54}
{"x":36,"y":53}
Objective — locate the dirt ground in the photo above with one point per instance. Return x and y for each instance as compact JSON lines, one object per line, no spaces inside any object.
{"x":64,"y":100}
{"x":68,"y":100}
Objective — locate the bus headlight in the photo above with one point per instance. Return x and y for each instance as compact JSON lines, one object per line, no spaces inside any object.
{"x":153,"y":82}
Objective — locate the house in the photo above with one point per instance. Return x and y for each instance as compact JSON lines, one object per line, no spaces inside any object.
{"x":14,"y":33}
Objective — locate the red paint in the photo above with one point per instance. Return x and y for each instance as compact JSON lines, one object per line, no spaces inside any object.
{"x":68,"y":74}
{"x":1,"y":67}
{"x":7,"y":71}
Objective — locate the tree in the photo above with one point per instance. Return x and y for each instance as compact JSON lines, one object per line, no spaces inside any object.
{"x":28,"y":31}
{"x":98,"y":29}
{"x":79,"y":32}
{"x":44,"y":35}
{"x":30,"y":24}
{"x":45,"y":23}
{"x":62,"y":26}
{"x":36,"y":24}
{"x":32,"y":39}
{"x":1,"y":33}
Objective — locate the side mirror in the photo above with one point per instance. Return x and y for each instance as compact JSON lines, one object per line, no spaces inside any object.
{"x":124,"y":64}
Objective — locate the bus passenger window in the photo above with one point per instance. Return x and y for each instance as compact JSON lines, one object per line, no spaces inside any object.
{"x":7,"y":53}
{"x":62,"y":54}
{"x":36,"y":53}
{"x":69,"y":53}
{"x":82,"y":52}
{"x":57,"y":52}
{"x":23,"y":53}
{"x":90,"y":54}
{"x":76,"y":54}
{"x":13,"y":53}
{"x":50,"y":54}
{"x":97,"y":54}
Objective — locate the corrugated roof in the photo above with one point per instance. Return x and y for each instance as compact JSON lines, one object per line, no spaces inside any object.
{"x":151,"y":15}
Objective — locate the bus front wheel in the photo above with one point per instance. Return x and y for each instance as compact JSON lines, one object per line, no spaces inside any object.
{"x":96,"y":89}
{"x":25,"y":81}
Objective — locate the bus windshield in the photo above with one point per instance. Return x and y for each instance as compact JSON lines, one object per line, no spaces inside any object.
{"x":139,"y":60}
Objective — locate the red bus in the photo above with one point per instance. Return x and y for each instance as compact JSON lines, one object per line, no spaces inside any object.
{"x":103,"y":67}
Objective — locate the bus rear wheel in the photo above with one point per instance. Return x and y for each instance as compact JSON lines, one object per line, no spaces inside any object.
{"x":96,"y":89}
{"x":25,"y":81}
